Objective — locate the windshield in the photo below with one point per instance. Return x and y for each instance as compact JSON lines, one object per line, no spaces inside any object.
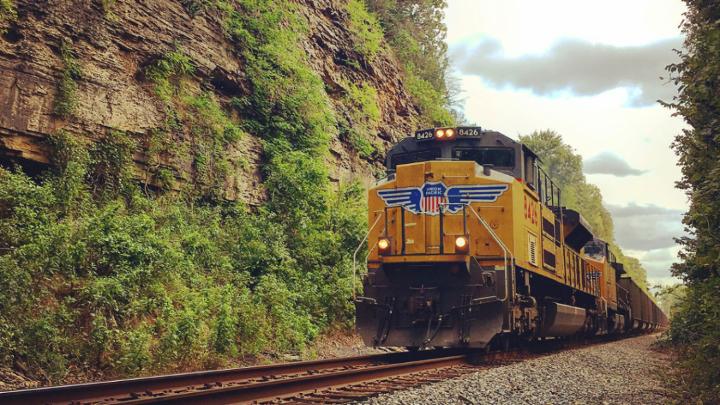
{"x":412,"y":157}
{"x":595,"y":250}
{"x":498,"y":157}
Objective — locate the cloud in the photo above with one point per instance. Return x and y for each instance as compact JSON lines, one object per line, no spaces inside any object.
{"x":636,"y":210}
{"x":657,"y":262}
{"x":647,"y":227}
{"x":609,"y":163}
{"x":582,"y":68}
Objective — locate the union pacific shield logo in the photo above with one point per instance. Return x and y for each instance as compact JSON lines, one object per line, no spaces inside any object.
{"x":433,"y":196}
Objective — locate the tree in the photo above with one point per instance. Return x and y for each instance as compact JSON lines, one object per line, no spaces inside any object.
{"x":416,"y":31}
{"x":696,"y":326}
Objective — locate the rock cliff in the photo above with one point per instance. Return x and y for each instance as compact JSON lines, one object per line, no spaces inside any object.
{"x":114,"y":41}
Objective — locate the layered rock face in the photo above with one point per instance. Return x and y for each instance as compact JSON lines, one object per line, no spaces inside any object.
{"x":113,"y":46}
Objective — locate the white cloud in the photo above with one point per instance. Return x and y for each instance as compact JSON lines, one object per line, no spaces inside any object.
{"x":530,"y":26}
{"x":647,"y":227}
{"x":641,"y":137}
{"x":603,"y":122}
{"x":610,"y":163}
{"x":580,"y":67}
{"x":657,"y":262}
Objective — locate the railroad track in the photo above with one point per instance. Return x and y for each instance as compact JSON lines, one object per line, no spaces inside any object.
{"x":326,"y":381}
{"x":338,"y":380}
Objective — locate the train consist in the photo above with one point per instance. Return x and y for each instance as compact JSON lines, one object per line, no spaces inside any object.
{"x":469,"y":244}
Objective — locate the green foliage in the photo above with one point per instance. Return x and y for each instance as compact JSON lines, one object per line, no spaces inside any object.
{"x":167,"y":72}
{"x":212,"y":130}
{"x":287,"y":99}
{"x":695,"y":332}
{"x":194,"y":7}
{"x":135,"y":285}
{"x":107,"y":8}
{"x":433,"y":103}
{"x":364,"y":118}
{"x":669,"y":297}
{"x":8,"y":13}
{"x":288,"y":106}
{"x":564,"y":166}
{"x":365,"y":28}
{"x":70,"y":159}
{"x":416,"y":31}
{"x":111,"y":164}
{"x":66,"y":97}
{"x":696,"y":326}
{"x":363,"y":99}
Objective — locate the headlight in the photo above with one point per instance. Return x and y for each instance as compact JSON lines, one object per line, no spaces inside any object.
{"x":383,"y":246}
{"x":461,"y":244}
{"x":442,"y":134}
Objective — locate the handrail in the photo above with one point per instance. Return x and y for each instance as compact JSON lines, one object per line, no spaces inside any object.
{"x":358,"y":250}
{"x":509,"y":276}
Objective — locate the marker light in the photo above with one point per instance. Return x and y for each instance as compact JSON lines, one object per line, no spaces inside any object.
{"x":461,"y":244}
{"x":384,"y":245}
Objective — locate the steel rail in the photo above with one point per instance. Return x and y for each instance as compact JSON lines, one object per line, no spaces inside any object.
{"x":276,"y":389}
{"x":301,"y":381}
{"x":275,"y":373}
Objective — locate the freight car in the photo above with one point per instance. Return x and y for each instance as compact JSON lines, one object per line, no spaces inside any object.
{"x":469,"y":243}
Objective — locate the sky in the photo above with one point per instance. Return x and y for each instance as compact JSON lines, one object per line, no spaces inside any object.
{"x":592,"y":71}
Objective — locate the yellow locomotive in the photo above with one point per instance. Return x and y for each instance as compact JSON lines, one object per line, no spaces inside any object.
{"x":469,"y":243}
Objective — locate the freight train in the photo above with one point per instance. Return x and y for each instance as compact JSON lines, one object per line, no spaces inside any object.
{"x":469,"y":245}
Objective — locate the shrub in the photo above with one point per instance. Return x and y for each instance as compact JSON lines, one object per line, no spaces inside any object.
{"x":167,"y":71}
{"x":123,"y":283}
{"x":66,"y":96}
{"x":211,"y":129}
{"x":194,"y":7}
{"x":432,"y":102}
{"x":111,"y":163}
{"x":364,"y":116}
{"x":417,"y":34}
{"x":365,"y":29}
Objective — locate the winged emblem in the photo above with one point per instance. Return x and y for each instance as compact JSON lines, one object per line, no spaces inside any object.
{"x":462,"y":195}
{"x":432,"y":195}
{"x":408,"y":198}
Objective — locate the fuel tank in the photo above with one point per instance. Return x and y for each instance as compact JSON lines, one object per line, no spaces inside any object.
{"x":562,"y":320}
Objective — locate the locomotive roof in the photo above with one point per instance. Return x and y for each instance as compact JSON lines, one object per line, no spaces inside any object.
{"x":462,"y":137}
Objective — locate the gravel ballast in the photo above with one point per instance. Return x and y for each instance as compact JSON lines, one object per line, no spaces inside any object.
{"x":621,"y":372}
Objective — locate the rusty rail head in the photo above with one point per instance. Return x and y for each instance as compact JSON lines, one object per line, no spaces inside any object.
{"x":272,"y":390}
{"x":102,"y":390}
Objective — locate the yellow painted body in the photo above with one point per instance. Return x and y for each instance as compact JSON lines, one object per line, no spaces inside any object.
{"x":516,"y":217}
{"x":608,"y":284}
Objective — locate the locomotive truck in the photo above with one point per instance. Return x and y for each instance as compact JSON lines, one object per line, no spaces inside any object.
{"x":469,"y":244}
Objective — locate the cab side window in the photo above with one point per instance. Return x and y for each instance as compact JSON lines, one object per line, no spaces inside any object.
{"x":530,"y":171}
